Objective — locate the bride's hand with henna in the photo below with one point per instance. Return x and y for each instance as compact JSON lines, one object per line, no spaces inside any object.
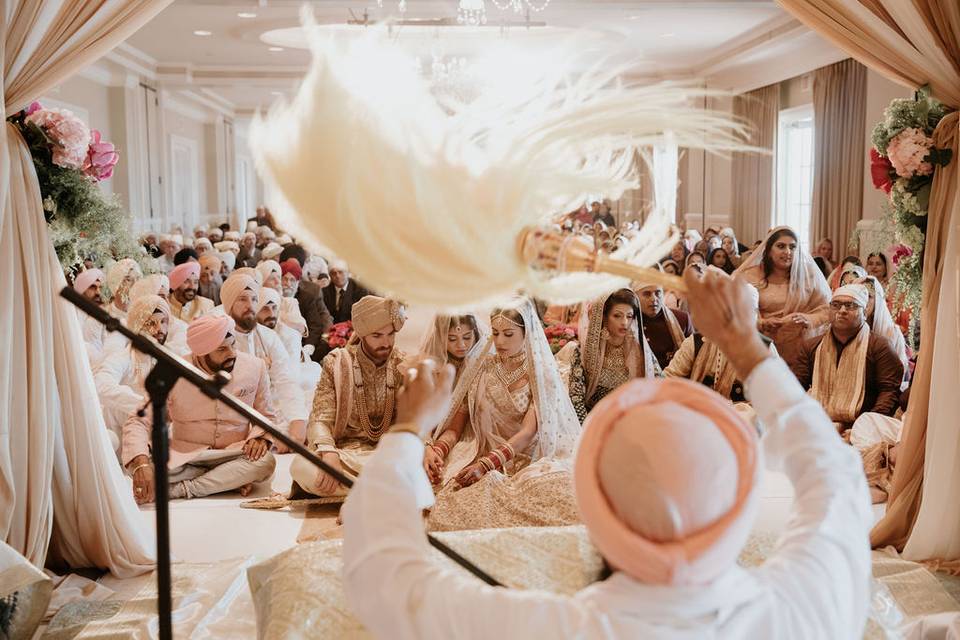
{"x":470,"y":475}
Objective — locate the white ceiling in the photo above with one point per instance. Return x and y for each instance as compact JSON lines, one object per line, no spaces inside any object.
{"x":659,"y":38}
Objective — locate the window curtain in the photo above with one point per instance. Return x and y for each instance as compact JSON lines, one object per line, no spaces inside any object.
{"x":62,"y":491}
{"x":752,"y":173}
{"x":839,"y":113}
{"x":917,"y":43}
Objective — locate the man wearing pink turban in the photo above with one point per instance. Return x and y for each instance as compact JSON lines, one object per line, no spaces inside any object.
{"x":90,"y":283}
{"x":665,"y":478}
{"x":213,"y":449}
{"x":240,"y":297}
{"x":184,"y":301}
{"x":120,"y":377}
{"x":356,"y":396}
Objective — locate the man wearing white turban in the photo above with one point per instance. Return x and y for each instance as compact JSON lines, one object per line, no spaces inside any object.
{"x":305,"y":370}
{"x":356,"y":396}
{"x":120,"y":377}
{"x":159,"y":284}
{"x":89,"y":284}
{"x":850,"y":370}
{"x":241,"y":296}
{"x":120,"y":277}
{"x":213,"y":449}
{"x":666,"y":480}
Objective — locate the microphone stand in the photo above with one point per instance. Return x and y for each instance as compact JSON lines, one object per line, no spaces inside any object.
{"x":168,"y":370}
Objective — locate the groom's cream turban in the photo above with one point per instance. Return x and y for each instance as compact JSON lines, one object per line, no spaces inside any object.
{"x":373,"y":312}
{"x":665,"y":479}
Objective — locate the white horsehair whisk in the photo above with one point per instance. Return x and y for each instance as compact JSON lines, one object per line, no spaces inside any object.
{"x":443,"y":203}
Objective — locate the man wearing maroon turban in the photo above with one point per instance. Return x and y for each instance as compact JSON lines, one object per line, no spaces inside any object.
{"x":213,"y":449}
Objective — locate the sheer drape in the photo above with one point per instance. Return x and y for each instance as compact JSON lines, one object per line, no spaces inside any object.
{"x":839,"y":113}
{"x":54,"y":453}
{"x":917,"y":43}
{"x":753,"y":172}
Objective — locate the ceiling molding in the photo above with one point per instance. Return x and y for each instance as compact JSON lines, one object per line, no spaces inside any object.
{"x":770,"y":31}
{"x":132,"y":59}
{"x":172,"y":102}
{"x":98,"y":73}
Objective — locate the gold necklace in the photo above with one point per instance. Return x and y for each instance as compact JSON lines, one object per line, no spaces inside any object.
{"x":363,"y":413}
{"x":509,"y":378}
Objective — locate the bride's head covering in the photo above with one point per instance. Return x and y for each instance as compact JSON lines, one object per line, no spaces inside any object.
{"x":883,"y":323}
{"x":805,"y":276}
{"x":666,"y":481}
{"x":594,"y":337}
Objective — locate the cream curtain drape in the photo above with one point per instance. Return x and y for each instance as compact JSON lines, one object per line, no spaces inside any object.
{"x":917,"y":43}
{"x":839,"y":113}
{"x":60,"y":484}
{"x":752,"y":173}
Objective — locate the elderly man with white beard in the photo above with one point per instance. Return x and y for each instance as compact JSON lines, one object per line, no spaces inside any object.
{"x":120,"y":377}
{"x":240,"y":296}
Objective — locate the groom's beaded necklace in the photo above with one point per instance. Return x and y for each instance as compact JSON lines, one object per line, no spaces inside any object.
{"x":372,"y":432}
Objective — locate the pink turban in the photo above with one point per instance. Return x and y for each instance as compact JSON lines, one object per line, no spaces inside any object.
{"x":85,"y":279}
{"x":208,"y":332}
{"x":142,"y":308}
{"x":665,"y":479}
{"x":373,"y":312}
{"x":268,"y":294}
{"x":234,"y":286}
{"x":181,"y":272}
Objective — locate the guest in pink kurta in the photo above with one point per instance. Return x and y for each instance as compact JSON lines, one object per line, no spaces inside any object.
{"x":213,"y":449}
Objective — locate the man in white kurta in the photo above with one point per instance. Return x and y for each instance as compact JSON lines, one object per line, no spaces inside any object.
{"x":240,"y":296}
{"x":816,"y":584}
{"x":89,"y":284}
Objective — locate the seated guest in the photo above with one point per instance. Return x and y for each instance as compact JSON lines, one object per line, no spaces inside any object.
{"x":834,"y":278}
{"x":187,"y":254}
{"x":700,"y":360}
{"x":228,"y":260}
{"x":169,"y":246}
{"x":720,"y":259}
{"x":213,"y":449}
{"x":315,"y":270}
{"x":89,"y":284}
{"x":120,"y":377}
{"x":210,"y":282}
{"x":664,"y":328}
{"x":611,"y":350}
{"x":240,"y":295}
{"x":850,"y":370}
{"x":851,"y":273}
{"x":667,"y":483}
{"x":309,"y":297}
{"x":120,"y":277}
{"x":355,"y":398}
{"x":158,"y":284}
{"x":824,"y":250}
{"x":249,"y":254}
{"x":730,"y":244}
{"x":185,"y":304}
{"x":881,"y":322}
{"x":202,"y":246}
{"x":877,"y":267}
{"x":342,"y":292}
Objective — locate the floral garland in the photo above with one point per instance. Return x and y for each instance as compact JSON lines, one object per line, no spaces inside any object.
{"x":902,"y":162}
{"x":558,"y":335}
{"x":339,"y":334}
{"x":70,"y":159}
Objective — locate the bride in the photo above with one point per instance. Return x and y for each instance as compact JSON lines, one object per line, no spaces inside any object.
{"x":510,"y":436}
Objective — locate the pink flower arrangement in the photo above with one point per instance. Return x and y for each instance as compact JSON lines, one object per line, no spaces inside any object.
{"x":101,"y":158}
{"x":880,"y":169}
{"x":908,"y":152}
{"x":339,"y":334}
{"x":68,"y":135}
{"x":900,"y":252}
{"x":559,"y":335}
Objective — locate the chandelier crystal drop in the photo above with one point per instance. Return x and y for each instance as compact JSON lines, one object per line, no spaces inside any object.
{"x":472,"y":12}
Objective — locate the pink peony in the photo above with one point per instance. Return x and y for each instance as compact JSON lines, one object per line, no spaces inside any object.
{"x":900,"y":252}
{"x":68,"y":134}
{"x":34,"y":107}
{"x":907,"y":151}
{"x":101,"y":158}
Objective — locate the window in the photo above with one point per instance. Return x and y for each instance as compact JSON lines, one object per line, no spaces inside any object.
{"x":795,"y":170}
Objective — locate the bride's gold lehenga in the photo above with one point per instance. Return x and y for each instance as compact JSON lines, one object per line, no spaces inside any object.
{"x":535,"y":487}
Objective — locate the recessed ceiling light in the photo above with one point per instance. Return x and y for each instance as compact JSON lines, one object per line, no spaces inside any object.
{"x":246,"y":14}
{"x":202,"y":32}
{"x":275,"y":49}
{"x":667,"y":35}
{"x":276,"y":93}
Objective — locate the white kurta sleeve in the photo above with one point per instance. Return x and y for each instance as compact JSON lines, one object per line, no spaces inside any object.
{"x":397,"y":591}
{"x":821,"y":572}
{"x":118,"y":400}
{"x":288,"y":396}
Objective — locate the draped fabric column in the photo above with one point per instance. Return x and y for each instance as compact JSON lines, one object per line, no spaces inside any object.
{"x":839,"y":112}
{"x":60,"y":484}
{"x":918,"y":43}
{"x":752,"y":173}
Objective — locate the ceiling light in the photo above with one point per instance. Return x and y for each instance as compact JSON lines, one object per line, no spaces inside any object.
{"x":276,"y":93}
{"x":201,"y":32}
{"x":667,"y":35}
{"x":275,"y":49}
{"x":246,"y":14}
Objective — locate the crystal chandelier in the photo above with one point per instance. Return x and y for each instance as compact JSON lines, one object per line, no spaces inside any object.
{"x":474,"y":12}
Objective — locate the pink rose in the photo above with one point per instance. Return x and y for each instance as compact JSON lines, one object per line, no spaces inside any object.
{"x":34,"y":107}
{"x":907,"y":152}
{"x":68,"y":135}
{"x":101,"y":158}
